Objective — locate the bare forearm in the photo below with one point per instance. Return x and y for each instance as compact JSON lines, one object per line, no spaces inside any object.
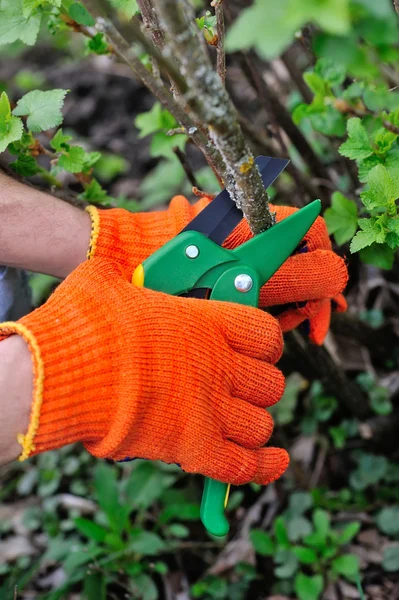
{"x":38,"y":232}
{"x":16,"y":384}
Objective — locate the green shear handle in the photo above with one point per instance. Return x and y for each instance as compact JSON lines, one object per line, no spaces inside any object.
{"x":191,"y":260}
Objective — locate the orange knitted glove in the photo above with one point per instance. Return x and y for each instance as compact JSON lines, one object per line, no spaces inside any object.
{"x":304,"y":288}
{"x":132,"y":372}
{"x":308,"y":284}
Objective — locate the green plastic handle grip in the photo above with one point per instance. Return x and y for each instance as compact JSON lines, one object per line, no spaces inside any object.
{"x":215,"y":494}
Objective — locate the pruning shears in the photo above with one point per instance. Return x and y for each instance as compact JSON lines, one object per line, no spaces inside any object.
{"x":194,"y":264}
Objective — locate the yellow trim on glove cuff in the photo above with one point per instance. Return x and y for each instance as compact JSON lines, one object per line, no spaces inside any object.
{"x":26,"y":440}
{"x":95,"y":230}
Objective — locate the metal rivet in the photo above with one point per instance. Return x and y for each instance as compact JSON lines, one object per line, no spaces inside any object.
{"x":192,"y":251}
{"x":243,"y":283}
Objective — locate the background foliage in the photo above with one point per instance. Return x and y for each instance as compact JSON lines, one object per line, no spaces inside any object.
{"x":323,"y":90}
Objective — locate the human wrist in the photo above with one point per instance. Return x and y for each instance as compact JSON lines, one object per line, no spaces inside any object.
{"x":63,"y":228}
{"x":16,"y":382}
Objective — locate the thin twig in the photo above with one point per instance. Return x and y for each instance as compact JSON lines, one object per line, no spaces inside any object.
{"x":186,"y":166}
{"x":123,"y":49}
{"x":361,"y":111}
{"x":220,"y":51}
{"x":151,"y":23}
{"x":289,"y":58}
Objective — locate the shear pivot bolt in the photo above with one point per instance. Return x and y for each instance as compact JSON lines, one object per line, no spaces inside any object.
{"x":243,"y":283}
{"x":192,"y":251}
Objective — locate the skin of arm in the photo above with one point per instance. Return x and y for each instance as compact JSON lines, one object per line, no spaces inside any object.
{"x":16,"y":386}
{"x":40,"y":233}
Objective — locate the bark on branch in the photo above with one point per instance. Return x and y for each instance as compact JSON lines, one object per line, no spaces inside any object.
{"x":208,"y":102}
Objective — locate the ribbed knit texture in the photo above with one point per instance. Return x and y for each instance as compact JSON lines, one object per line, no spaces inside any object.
{"x":315,"y":275}
{"x":131,"y":372}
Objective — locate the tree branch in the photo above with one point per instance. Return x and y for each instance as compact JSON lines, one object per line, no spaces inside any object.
{"x":209,"y":103}
{"x":151,"y":23}
{"x":123,"y":50}
{"x":220,"y":51}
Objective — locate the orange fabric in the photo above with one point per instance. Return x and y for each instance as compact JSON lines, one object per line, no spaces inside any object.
{"x":132,"y":373}
{"x":313,"y":276}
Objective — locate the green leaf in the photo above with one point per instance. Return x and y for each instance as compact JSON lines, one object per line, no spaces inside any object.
{"x":162,"y":144}
{"x":144,"y":588}
{"x":388,"y":520}
{"x":321,"y":520}
{"x":341,"y":218}
{"x":380,"y":400}
{"x":298,"y":527}
{"x":98,"y":44}
{"x":5,"y":107}
{"x":60,"y":141}
{"x":72,"y":160}
{"x":330,"y":71}
{"x":316,"y":84}
{"x":178,"y":530}
{"x":283,"y":411}
{"x":207,"y":21}
{"x":305,"y":555}
{"x":185,"y":512}
{"x":280,"y":531}
{"x":348,"y":533}
{"x":11,"y":130}
{"x":14,"y":26}
{"x":25,"y":165}
{"x":89,"y":160}
{"x":28,"y":6}
{"x":377,"y":98}
{"x":371,"y":469}
{"x":91,"y":529}
{"x":105,"y":485}
{"x":379,"y":255}
{"x":43,"y":109}
{"x":390,"y":558}
{"x":331,"y":15}
{"x":370,"y":233}
{"x":308,"y":588}
{"x":94,"y":587}
{"x":366,"y":165}
{"x":299,"y":503}
{"x":146,"y":484}
{"x":80,"y":14}
{"x":95,"y":194}
{"x":262,"y":542}
{"x":328,"y":122}
{"x":156,"y":119}
{"x":357,"y":146}
{"x":127,"y":7}
{"x":346,"y":565}
{"x":382,"y":188}
{"x":287,"y":564}
{"x":383,"y":140}
{"x":263,"y":26}
{"x":109,"y":166}
{"x":147,"y":543}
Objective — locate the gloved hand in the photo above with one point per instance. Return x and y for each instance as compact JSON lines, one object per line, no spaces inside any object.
{"x":308,"y":284}
{"x":135,"y":373}
{"x":305,"y":287}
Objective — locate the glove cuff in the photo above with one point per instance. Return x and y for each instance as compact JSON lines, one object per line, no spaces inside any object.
{"x":129,"y":238}
{"x":76,"y":349}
